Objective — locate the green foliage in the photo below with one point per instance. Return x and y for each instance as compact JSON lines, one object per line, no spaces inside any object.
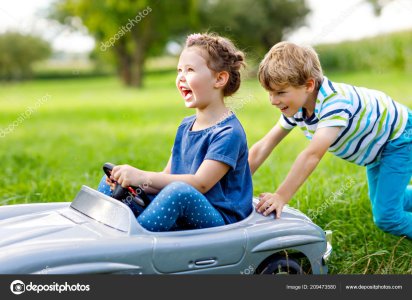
{"x":379,"y":54}
{"x":104,"y":19}
{"x":90,"y":121}
{"x":255,"y":25}
{"x":18,"y":52}
{"x":129,"y":30}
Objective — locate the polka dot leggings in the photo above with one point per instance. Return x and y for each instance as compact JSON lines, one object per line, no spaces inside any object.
{"x":178,"y":206}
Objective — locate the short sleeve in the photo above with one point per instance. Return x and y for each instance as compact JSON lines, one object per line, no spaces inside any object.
{"x":226,"y":146}
{"x":286,"y":123}
{"x":335,"y":116}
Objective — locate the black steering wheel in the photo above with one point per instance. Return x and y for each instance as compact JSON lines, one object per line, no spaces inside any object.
{"x":121,"y":193}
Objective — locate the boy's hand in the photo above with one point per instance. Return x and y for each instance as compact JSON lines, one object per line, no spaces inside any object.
{"x":305,"y":163}
{"x":270,"y":202}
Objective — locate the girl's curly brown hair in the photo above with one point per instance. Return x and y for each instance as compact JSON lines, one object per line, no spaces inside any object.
{"x":221,"y":55}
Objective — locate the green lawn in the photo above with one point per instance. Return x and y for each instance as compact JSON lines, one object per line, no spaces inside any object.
{"x":86,"y":122}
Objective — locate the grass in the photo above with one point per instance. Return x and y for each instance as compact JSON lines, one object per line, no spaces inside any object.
{"x":87,"y":122}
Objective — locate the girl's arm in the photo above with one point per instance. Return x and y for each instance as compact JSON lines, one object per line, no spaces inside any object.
{"x":303,"y":166}
{"x":262,"y":149}
{"x":208,"y":174}
{"x":168,"y":167}
{"x":150,"y":190}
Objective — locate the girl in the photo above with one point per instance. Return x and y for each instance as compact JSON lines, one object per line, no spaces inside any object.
{"x":207,"y":181}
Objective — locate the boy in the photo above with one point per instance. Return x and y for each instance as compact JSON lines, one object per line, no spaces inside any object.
{"x":360,"y":125}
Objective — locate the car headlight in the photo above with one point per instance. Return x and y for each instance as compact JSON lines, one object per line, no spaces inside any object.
{"x":328,"y":251}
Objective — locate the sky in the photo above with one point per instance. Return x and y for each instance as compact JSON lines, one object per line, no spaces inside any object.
{"x":28,"y":16}
{"x":330,"y":21}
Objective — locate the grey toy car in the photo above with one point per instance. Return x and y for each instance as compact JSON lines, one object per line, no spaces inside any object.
{"x":96,"y":234}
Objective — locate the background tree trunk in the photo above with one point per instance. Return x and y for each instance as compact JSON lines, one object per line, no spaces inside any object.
{"x":138,"y":64}
{"x":124,"y":63}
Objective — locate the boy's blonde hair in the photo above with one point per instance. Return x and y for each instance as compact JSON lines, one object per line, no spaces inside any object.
{"x":287,"y":64}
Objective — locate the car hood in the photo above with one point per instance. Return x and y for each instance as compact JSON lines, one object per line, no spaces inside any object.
{"x":58,"y":239}
{"x":45,"y":227}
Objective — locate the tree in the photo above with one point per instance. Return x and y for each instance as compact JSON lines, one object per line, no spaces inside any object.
{"x":255,"y":25}
{"x":378,"y":5}
{"x":129,"y":29}
{"x":18,"y":52}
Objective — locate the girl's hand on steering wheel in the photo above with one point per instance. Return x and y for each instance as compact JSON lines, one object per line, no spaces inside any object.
{"x":126,"y":176}
{"x":111,"y":183}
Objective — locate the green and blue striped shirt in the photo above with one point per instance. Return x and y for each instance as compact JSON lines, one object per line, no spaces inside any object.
{"x":368,"y":118}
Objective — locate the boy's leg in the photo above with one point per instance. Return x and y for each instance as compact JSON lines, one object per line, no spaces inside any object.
{"x":391,"y":191}
{"x":407,"y":204}
{"x":179,"y":202}
{"x":373,"y":175}
{"x":407,"y":136}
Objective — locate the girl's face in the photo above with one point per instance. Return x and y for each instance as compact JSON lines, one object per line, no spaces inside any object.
{"x":195,"y":81}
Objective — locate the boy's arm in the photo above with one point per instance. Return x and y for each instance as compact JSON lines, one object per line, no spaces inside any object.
{"x":262,"y":149}
{"x":303,"y":166}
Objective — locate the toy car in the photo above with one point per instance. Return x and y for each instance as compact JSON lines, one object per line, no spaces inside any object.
{"x":99,"y":234}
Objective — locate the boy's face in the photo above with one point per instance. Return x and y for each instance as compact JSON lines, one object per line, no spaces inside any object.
{"x":289,"y":99}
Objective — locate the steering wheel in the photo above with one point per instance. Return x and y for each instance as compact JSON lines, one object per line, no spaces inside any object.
{"x":121,"y":193}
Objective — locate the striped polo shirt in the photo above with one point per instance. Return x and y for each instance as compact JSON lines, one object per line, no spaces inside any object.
{"x":368,"y":118}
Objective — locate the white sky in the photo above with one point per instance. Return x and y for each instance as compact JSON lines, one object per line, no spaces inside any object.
{"x":28,"y":16}
{"x":330,"y":21}
{"x":334,"y":21}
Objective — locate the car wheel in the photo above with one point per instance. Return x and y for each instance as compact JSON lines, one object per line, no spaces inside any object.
{"x":281,"y":265}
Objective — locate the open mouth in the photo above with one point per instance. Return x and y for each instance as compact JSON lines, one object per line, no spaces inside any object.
{"x":283,"y":108}
{"x":187,"y":93}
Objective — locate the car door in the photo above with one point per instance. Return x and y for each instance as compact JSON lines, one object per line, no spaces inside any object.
{"x":197,"y":250}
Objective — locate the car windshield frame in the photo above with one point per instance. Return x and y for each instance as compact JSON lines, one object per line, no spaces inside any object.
{"x":103,"y":209}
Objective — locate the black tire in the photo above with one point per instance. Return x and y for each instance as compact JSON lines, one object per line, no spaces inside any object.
{"x":281,"y":265}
